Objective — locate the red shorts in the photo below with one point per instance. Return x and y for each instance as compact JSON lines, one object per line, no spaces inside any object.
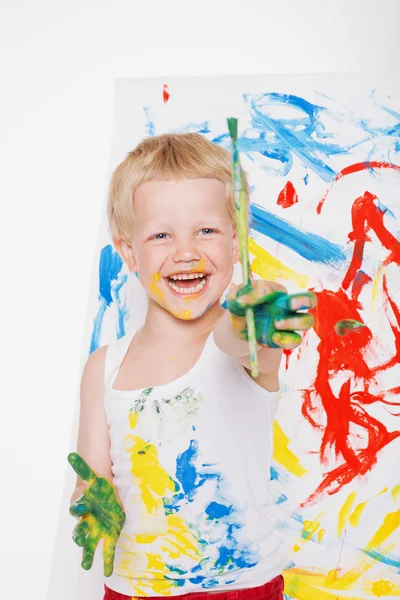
{"x":273,"y":590}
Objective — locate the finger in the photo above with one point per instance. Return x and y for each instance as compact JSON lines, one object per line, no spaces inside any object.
{"x":80,"y":532}
{"x":80,"y":507}
{"x":257,"y":296}
{"x":81,"y":467}
{"x":302,"y":301}
{"x":299,"y":322}
{"x":89,"y":550}
{"x":108,"y":555}
{"x":286,"y":339}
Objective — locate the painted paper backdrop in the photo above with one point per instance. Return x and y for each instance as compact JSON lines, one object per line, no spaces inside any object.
{"x":323,"y":158}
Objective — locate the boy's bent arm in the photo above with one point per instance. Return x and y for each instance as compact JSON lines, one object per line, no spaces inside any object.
{"x":268,"y":359}
{"x":93,"y":436}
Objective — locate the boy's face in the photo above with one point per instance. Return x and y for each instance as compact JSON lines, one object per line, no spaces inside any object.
{"x":183,"y":244}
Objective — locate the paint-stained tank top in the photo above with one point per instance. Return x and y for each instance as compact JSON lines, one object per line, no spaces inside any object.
{"x":191,"y":463}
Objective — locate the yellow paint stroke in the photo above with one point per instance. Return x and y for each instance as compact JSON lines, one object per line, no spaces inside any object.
{"x":344,"y":512}
{"x":390,"y":523}
{"x":296,"y":548}
{"x":308,"y":585}
{"x":309,"y":528}
{"x":283,"y":455}
{"x":321,"y":534}
{"x":151,"y":478}
{"x":356,"y":514}
{"x":396,"y":492}
{"x":305,"y":584}
{"x":382,"y":588}
{"x":375,"y":286}
{"x":268,"y":267}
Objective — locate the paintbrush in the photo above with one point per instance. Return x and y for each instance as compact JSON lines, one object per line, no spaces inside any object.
{"x":243,"y":231}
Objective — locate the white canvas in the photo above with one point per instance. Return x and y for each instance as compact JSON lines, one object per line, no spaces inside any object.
{"x":323,"y":158}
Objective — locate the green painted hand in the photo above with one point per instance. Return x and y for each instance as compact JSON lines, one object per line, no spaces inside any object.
{"x":100,"y":515}
{"x":276,"y":314}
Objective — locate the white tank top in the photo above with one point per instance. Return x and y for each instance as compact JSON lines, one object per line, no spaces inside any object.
{"x":191,"y":463}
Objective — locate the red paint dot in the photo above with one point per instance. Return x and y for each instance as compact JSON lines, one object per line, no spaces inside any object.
{"x":166,"y":94}
{"x":288,"y":196}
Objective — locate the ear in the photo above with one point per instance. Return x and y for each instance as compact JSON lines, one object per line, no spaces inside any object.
{"x":126,"y":253}
{"x":235,"y":247}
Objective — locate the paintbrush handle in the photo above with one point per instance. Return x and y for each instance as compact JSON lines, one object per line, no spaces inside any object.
{"x":242,"y":227}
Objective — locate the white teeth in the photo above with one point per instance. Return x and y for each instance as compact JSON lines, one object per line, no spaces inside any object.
{"x":186,"y":276}
{"x":191,"y":290}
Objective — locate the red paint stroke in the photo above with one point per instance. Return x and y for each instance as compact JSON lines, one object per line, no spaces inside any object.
{"x":166,"y":94}
{"x":288,"y":196}
{"x":350,"y":437}
{"x":356,"y":168}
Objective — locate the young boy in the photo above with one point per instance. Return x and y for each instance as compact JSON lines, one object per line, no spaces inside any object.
{"x":170,"y":413}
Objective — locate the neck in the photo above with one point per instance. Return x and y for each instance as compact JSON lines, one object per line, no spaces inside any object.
{"x":160,"y":320}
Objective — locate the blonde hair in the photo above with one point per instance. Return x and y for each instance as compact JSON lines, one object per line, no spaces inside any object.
{"x":172,"y":156}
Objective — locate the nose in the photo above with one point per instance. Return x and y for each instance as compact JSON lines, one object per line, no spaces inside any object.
{"x":185,"y":249}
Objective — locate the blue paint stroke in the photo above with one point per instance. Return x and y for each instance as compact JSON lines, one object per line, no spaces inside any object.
{"x":305,"y":179}
{"x":150,"y":127}
{"x":386,"y":560}
{"x":302,"y":134}
{"x":282,"y":498}
{"x":308,"y":245}
{"x":110,"y":265}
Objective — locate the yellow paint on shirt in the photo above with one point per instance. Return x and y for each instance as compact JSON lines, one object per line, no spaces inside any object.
{"x":179,"y":540}
{"x":283,"y":455}
{"x":345,"y":511}
{"x":133,"y":417}
{"x":150,"y":476}
{"x":270,"y":268}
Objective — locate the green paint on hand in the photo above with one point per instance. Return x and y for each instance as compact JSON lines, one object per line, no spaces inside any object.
{"x":100,"y":513}
{"x":268,"y":310}
{"x":347,"y":326}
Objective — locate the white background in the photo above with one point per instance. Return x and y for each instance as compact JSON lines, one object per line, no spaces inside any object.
{"x":58,"y":65}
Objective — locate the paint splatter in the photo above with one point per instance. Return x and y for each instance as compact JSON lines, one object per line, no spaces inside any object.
{"x":346,"y":326}
{"x":288,"y":196}
{"x":166,"y":94}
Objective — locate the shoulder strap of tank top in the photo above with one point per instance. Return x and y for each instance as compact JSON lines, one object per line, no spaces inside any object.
{"x":115,"y":353}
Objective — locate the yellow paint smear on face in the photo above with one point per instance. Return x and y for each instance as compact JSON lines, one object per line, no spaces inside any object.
{"x":356,"y":514}
{"x":155,"y":289}
{"x":270,"y":268}
{"x":345,"y":511}
{"x":283,"y":455}
{"x":390,"y":523}
{"x":396,"y":492}
{"x":150,"y":476}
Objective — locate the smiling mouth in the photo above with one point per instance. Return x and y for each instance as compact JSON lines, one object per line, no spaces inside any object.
{"x":187,"y":283}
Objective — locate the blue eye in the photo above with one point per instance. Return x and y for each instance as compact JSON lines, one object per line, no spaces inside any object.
{"x":207,"y":230}
{"x":160,"y":236}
